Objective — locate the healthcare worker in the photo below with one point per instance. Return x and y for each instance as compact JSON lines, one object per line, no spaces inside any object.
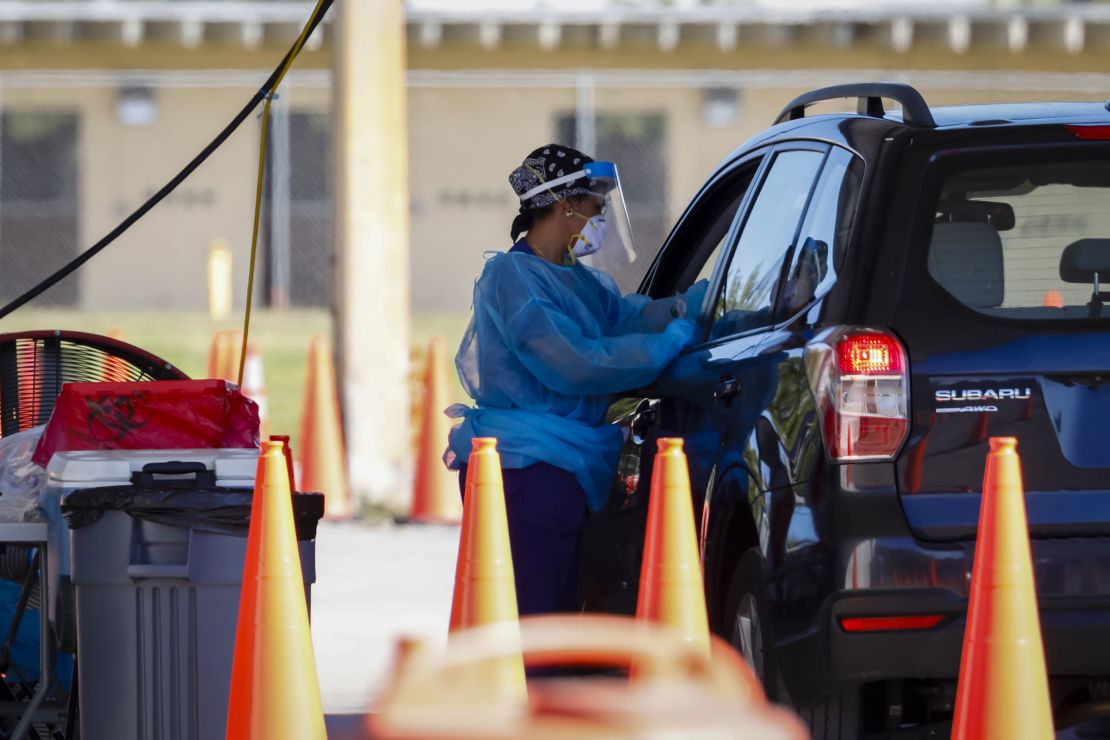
{"x":550,"y":341}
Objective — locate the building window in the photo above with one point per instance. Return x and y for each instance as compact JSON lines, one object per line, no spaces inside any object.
{"x":38,"y":202}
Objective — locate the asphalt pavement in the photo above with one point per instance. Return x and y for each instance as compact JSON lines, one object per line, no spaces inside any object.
{"x":373,"y":585}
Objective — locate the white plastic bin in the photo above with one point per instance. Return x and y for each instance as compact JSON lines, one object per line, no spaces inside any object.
{"x":157,"y":602}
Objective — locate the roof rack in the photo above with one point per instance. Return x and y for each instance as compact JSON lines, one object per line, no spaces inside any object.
{"x":915,"y":111}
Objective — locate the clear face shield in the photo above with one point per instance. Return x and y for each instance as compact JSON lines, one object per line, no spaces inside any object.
{"x":604,"y":181}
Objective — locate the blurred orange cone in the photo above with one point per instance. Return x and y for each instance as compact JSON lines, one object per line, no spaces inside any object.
{"x":324,"y":457}
{"x":485,"y":593}
{"x":416,"y":396}
{"x":223,"y":355}
{"x":217,"y":352}
{"x":275,"y":694}
{"x":1003,"y":685}
{"x":671,"y":590}
{"x":1053,"y":299}
{"x":115,"y":368}
{"x":685,"y":691}
{"x":254,"y":387}
{"x":435,"y":497}
{"x":235,"y":353}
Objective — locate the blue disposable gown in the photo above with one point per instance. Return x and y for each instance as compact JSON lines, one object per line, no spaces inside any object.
{"x":546,"y":347}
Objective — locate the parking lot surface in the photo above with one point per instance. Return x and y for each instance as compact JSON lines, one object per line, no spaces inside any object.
{"x":374,"y":584}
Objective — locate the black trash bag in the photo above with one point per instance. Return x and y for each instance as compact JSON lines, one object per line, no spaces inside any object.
{"x":189,"y":503}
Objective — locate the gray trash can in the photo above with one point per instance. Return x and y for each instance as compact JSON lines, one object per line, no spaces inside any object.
{"x":157,"y":568}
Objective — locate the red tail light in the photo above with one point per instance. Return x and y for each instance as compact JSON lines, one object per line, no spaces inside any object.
{"x":869,"y":354}
{"x":1089,"y":133}
{"x":860,"y":382}
{"x":883,"y":624}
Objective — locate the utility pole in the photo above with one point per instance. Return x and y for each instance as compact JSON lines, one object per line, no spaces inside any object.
{"x":372,"y":246}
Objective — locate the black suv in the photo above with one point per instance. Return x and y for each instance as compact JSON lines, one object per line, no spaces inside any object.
{"x":886,"y":292}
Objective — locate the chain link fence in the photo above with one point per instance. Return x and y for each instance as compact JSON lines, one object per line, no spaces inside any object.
{"x":299,"y":232}
{"x":80,"y":151}
{"x":38,"y":200}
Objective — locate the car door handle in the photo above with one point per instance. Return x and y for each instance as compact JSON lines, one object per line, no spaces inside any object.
{"x":726,"y":389}
{"x":641,"y":424}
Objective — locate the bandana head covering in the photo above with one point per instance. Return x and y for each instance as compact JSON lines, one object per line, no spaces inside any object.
{"x":543,"y":165}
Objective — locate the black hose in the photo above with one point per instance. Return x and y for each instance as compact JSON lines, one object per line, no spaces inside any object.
{"x":169,"y":187}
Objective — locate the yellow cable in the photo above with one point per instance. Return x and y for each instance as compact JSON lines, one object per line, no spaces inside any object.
{"x":261,"y":172}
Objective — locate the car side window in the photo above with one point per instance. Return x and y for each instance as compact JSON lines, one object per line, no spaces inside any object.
{"x":747,"y":296}
{"x":719,"y":232}
{"x":823,"y":239}
{"x":693,"y":251}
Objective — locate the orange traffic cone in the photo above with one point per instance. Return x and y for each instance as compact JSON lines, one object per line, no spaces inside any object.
{"x":485,"y":593}
{"x":287,"y":451}
{"x":324,"y":458}
{"x":1003,"y":685}
{"x":217,"y":351}
{"x":416,"y":396}
{"x":114,"y":368}
{"x":274,"y":691}
{"x":234,"y":355}
{"x":1053,"y":299}
{"x":671,"y":590}
{"x":435,"y":495}
{"x":254,"y":387}
{"x":223,"y":355}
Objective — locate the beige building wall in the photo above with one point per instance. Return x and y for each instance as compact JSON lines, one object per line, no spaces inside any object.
{"x":464,"y":140}
{"x":462,"y":145}
{"x":162,"y":261}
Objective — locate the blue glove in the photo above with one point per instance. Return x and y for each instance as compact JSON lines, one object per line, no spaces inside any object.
{"x":683,"y":331}
{"x":694,"y":296}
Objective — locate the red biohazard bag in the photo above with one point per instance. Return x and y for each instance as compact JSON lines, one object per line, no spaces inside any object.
{"x":149,"y":415}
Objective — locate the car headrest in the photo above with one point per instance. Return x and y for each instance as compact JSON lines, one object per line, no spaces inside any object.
{"x":966,"y":259}
{"x":1082,"y":259}
{"x":813,"y":256}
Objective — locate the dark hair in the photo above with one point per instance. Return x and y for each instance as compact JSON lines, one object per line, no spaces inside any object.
{"x":526,"y":219}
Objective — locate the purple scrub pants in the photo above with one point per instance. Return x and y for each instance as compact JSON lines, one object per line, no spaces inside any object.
{"x":547,"y":512}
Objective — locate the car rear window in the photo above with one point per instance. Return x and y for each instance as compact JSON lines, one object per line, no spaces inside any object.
{"x":1026,"y":241}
